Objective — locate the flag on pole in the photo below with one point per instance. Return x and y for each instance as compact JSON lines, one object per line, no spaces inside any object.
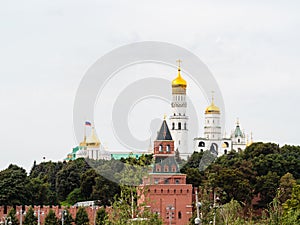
{"x":87,"y":123}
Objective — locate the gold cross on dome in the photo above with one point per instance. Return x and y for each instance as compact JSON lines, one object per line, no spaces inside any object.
{"x":212,"y":96}
{"x":179,"y":62}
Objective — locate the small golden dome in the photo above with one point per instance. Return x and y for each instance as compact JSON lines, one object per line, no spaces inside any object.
{"x":212,"y":109}
{"x":179,"y":81}
{"x":93,"y":140}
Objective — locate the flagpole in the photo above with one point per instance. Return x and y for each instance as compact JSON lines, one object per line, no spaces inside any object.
{"x":84,"y":140}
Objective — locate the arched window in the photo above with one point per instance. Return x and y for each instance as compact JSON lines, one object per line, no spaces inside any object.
{"x":179,"y":126}
{"x":201,"y":144}
{"x":179,"y":215}
{"x":185,"y":126}
{"x":239,"y":140}
{"x":173,"y":126}
{"x":166,"y":169}
{"x":225,"y":151}
{"x":160,"y":148}
{"x":226,"y":144}
{"x":168,"y":148}
{"x":158,"y":168}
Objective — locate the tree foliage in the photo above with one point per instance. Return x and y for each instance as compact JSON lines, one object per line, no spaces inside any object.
{"x":30,"y":218}
{"x":101,"y":216}
{"x":13,"y":186}
{"x":82,"y":217}
{"x":51,"y":218}
{"x":12,"y":214}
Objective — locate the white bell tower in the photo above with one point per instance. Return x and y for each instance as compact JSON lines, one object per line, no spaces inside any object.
{"x":179,"y":119}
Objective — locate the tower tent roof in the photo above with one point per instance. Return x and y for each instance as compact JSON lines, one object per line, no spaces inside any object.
{"x":164,"y":133}
{"x":238,"y":132}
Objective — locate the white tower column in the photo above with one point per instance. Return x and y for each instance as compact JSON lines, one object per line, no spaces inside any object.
{"x":179,"y":119}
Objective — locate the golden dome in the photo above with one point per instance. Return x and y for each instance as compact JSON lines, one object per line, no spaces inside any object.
{"x":93,"y":140}
{"x":212,"y":109}
{"x":179,"y":81}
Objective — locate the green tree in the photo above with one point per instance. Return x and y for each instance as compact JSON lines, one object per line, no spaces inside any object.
{"x":87,"y":182}
{"x":74,"y":196}
{"x":68,"y":178}
{"x":68,"y":219}
{"x":267,"y":186}
{"x":39,"y":192}
{"x":12,"y":214}
{"x":104,"y":190}
{"x":51,"y":218}
{"x":101,"y":216}
{"x":13,"y":186}
{"x":30,"y":218}
{"x":82,"y":217}
{"x":230,"y":212}
{"x":286,"y":184}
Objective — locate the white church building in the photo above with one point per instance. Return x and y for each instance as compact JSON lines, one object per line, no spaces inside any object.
{"x":212,"y":139}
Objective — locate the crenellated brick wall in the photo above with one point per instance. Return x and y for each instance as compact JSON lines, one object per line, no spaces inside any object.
{"x":44,"y":210}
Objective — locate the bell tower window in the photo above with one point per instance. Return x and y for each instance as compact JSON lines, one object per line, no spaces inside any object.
{"x":168,"y":148}
{"x":160,"y":148}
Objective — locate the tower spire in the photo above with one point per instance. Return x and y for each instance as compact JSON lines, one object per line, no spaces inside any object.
{"x":179,"y":63}
{"x":212,"y":97}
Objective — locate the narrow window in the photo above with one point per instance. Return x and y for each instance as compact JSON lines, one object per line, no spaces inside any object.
{"x":168,"y":148}
{"x":179,"y":126}
{"x":173,"y":126}
{"x":179,"y":215}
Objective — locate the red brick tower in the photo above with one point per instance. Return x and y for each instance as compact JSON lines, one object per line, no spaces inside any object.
{"x":165,"y":190}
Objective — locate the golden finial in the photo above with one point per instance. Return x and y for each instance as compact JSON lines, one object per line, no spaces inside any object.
{"x":212,"y":97}
{"x":165,"y":116}
{"x":237,"y":121}
{"x":179,"y":62}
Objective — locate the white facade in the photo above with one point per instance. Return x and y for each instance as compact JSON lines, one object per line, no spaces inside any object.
{"x":238,"y":138}
{"x":212,"y":127}
{"x":179,"y":120}
{"x":212,"y":139}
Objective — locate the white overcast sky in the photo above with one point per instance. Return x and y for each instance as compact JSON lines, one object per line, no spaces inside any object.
{"x":251,"y":47}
